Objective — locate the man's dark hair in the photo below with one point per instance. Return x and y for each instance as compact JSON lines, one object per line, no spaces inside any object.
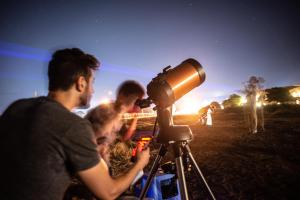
{"x":67,"y":65}
{"x":130,"y":88}
{"x":128,"y":92}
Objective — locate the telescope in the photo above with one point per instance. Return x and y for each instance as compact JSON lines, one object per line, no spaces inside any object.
{"x":170,"y":85}
{"x":163,"y":91}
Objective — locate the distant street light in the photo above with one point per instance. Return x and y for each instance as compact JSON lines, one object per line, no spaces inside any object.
{"x":295,"y":92}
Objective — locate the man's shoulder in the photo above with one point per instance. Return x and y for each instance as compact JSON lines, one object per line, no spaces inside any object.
{"x":58,"y":112}
{"x":21,"y":105}
{"x":25,"y":101}
{"x":43,"y":106}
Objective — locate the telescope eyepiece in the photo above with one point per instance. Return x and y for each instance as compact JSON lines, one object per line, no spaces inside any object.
{"x":143,"y":103}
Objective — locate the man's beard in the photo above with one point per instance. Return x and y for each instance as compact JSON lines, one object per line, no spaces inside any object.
{"x":84,"y":100}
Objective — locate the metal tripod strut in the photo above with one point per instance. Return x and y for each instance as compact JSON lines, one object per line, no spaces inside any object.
{"x":187,"y":150}
{"x":180,"y":170}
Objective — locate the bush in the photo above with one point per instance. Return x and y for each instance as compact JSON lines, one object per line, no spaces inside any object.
{"x":283,"y":109}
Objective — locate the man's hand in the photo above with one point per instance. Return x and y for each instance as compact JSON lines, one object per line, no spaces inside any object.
{"x":104,"y":186}
{"x":143,"y":156}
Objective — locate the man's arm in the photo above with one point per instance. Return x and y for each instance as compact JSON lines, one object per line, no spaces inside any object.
{"x":131,"y":129}
{"x":98,"y":180}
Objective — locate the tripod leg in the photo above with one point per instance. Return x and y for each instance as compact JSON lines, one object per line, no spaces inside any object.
{"x":188,"y":152}
{"x":180,"y":171}
{"x":162,"y":151}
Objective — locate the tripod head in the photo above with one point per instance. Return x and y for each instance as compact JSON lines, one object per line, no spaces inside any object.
{"x":168,"y":132}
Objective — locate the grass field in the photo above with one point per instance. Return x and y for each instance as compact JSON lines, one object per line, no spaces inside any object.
{"x":239,"y":165}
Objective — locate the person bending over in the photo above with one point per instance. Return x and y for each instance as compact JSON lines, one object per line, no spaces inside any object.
{"x":112,"y":134}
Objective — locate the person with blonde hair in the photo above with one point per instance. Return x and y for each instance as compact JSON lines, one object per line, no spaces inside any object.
{"x":105,"y":123}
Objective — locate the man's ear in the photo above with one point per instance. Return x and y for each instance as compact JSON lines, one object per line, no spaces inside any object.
{"x":81,"y":84}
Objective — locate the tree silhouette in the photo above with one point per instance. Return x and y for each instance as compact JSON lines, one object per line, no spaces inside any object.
{"x":279,"y":94}
{"x":232,"y":101}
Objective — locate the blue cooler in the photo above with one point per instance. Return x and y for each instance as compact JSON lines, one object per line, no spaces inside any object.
{"x":163,"y":186}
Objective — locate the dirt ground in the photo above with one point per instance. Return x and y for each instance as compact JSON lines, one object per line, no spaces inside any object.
{"x":239,"y":165}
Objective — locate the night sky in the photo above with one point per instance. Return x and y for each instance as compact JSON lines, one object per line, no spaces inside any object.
{"x":137,"y":39}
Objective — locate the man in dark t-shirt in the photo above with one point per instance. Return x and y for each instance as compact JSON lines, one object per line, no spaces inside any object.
{"x":41,"y":156}
{"x":42,"y":143}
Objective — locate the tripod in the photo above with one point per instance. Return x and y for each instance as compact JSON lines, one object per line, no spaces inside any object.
{"x":176,"y":136}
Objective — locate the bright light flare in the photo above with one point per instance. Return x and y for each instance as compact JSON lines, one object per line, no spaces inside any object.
{"x":295,"y":92}
{"x":105,"y":101}
{"x":138,"y":115}
{"x":257,"y":97}
{"x":189,"y":105}
{"x":243,"y":100}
